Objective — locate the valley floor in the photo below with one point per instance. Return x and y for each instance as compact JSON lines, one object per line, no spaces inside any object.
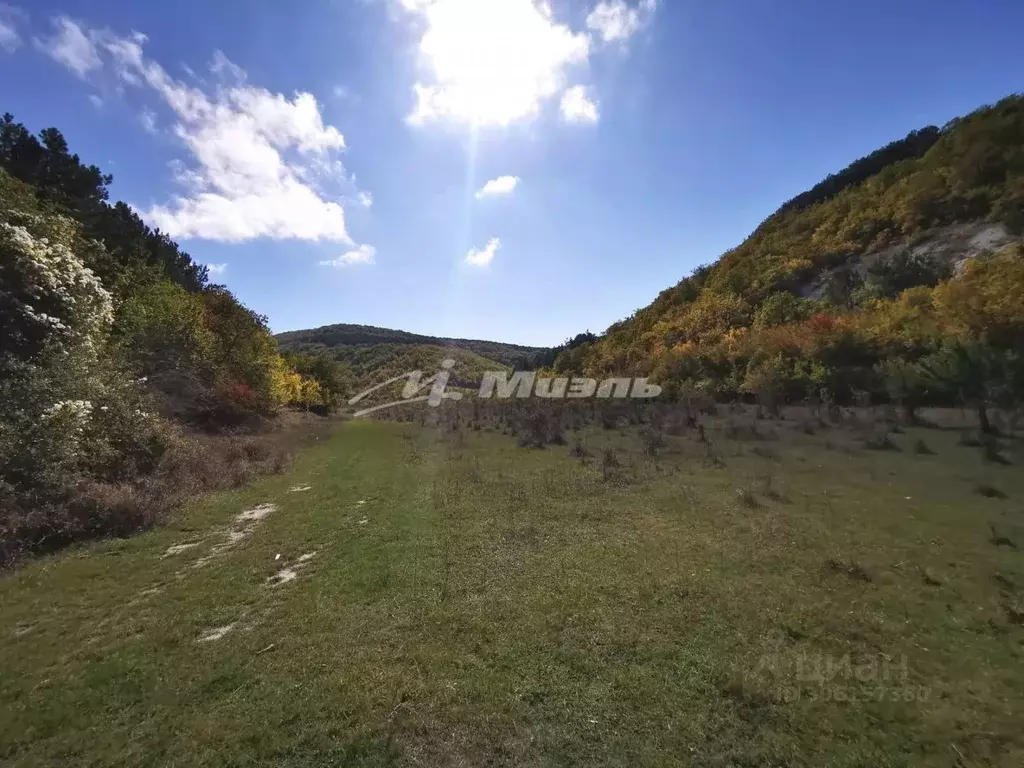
{"x":415,"y":596}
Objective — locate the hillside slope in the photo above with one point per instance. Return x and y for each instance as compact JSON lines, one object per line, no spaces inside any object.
{"x":368,"y":365}
{"x":896,"y":257}
{"x":375,"y":351}
{"x":344,"y":335}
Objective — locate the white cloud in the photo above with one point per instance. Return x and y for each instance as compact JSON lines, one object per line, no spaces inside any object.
{"x":481,"y":258}
{"x":503,"y":185}
{"x":10,"y":40}
{"x":148,"y":120}
{"x":491,"y":63}
{"x":71,"y":46}
{"x":216,"y":270}
{"x":344,"y":93}
{"x":96,"y":100}
{"x":257,"y":158}
{"x":616,"y":20}
{"x":577,"y":106}
{"x":363,"y":254}
{"x":224,"y":68}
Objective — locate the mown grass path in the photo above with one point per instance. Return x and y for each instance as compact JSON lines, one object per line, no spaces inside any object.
{"x":451,"y":599}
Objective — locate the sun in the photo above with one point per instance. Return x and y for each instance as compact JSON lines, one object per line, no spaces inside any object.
{"x":492,"y":62}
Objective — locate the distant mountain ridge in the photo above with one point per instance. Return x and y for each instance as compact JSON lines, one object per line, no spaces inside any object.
{"x":345,"y":340}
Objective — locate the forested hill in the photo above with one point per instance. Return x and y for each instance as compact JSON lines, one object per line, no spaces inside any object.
{"x":899,"y":277}
{"x":330,"y":337}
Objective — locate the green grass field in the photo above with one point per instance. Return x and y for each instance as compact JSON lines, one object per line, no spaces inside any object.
{"x":782,"y":599}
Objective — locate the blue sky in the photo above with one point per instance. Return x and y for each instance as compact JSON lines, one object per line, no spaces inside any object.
{"x":333,"y":154}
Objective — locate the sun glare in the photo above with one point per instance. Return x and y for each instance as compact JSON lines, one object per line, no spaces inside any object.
{"x":492,"y":63}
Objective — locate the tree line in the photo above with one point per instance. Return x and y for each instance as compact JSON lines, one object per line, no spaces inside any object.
{"x":112,"y":335}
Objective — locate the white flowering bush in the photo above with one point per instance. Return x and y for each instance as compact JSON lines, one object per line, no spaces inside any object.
{"x":51,"y":300}
{"x":68,"y":414}
{"x":55,"y":317}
